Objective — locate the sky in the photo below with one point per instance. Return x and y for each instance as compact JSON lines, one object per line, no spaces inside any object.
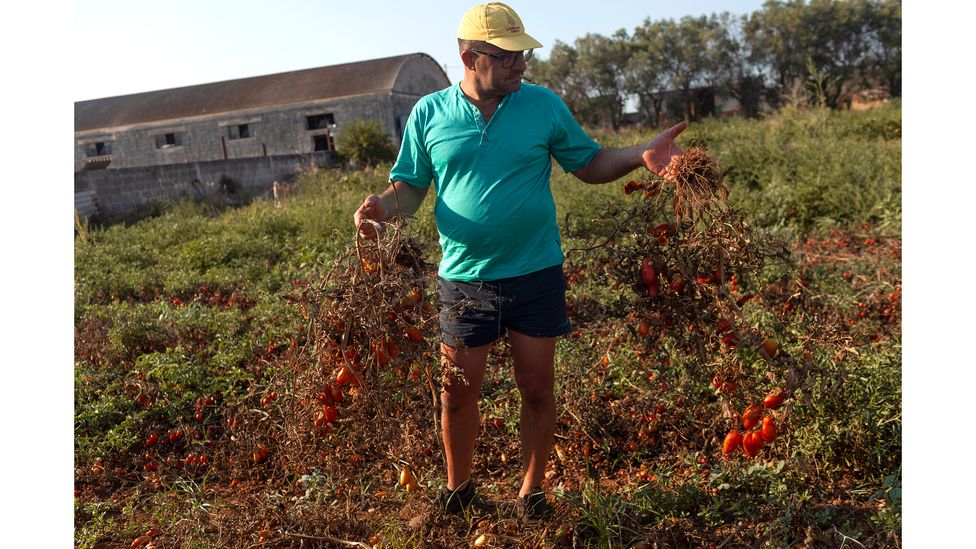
{"x":56,"y":52}
{"x":142,"y":46}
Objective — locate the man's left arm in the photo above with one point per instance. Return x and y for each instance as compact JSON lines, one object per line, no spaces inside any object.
{"x":610,"y":164}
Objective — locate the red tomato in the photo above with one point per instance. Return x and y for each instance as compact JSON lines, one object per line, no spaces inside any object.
{"x":723,"y":325}
{"x":416,"y":296}
{"x":391,"y":348}
{"x":649,"y":276}
{"x":732,"y":441}
{"x":152,"y":440}
{"x":743,"y":299}
{"x":677,"y":284}
{"x":751,"y":415}
{"x":643,"y":328}
{"x":345,"y":376}
{"x":774,"y":399}
{"x":414,"y":335}
{"x":768,"y":429}
{"x":661,"y":230}
{"x":352,"y":355}
{"x":261,"y":454}
{"x":336,"y":393}
{"x":752,"y":443}
{"x":331,"y":413}
{"x":381,"y":357}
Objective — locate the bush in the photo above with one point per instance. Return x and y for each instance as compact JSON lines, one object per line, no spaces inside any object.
{"x":364,"y":143}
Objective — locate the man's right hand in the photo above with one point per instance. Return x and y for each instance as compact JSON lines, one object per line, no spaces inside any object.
{"x":373,"y":209}
{"x":382,"y":207}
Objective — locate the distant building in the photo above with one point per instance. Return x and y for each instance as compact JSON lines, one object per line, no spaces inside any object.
{"x":134,"y":148}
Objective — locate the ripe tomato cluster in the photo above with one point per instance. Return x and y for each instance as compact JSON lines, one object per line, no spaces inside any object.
{"x":146,"y":540}
{"x":407,"y":479}
{"x":758,"y":429}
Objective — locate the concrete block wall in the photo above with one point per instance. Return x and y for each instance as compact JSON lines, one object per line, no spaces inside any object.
{"x":121,"y":191}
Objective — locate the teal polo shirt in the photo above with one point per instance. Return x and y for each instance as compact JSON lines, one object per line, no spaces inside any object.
{"x":495,"y":214}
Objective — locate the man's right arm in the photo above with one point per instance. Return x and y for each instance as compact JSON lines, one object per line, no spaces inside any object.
{"x":398,"y":199}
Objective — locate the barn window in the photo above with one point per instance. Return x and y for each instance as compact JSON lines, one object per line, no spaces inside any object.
{"x":238,"y":131}
{"x":169,"y":140}
{"x":320,"y":121}
{"x":322,"y":142}
{"x":98,"y":148}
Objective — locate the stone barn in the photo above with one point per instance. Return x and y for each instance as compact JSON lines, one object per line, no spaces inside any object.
{"x":245,"y":133}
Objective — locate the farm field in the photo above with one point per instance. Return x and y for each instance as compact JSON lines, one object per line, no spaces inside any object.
{"x":206,"y":411}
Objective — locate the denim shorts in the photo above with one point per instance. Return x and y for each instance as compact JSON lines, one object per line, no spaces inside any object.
{"x":479,"y":313}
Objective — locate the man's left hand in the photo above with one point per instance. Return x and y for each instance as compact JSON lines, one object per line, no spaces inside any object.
{"x":662,"y":152}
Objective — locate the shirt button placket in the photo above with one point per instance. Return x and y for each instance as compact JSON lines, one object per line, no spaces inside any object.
{"x":482,"y":127}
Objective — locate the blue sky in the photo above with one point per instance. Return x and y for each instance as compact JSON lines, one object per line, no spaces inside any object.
{"x":156,"y":45}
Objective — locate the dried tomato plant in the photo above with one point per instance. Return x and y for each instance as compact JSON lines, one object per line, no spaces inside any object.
{"x":700,"y":277}
{"x":362,"y":396}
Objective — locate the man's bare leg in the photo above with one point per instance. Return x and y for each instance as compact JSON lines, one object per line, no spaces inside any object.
{"x":534,"y":359}
{"x":460,"y":421}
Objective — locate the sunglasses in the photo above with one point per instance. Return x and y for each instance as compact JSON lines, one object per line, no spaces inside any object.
{"x":507,"y":60}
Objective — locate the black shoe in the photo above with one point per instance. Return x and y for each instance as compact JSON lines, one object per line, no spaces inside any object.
{"x":535,"y":506}
{"x":464,"y":498}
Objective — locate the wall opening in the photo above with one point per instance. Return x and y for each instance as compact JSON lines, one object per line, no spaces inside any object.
{"x":169,"y":140}
{"x":98,"y":148}
{"x":320,"y":121}
{"x":239,"y":131}
{"x":322,"y":142}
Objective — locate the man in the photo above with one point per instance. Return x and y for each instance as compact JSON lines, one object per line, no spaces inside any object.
{"x":486,"y":143}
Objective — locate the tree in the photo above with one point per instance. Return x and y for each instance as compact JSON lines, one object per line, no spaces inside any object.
{"x":643,"y":72}
{"x":882,"y":63}
{"x":559,"y":74}
{"x":738,"y":75}
{"x":824,"y":44}
{"x":599,"y":69}
{"x":691,"y":59}
{"x":775,"y":37}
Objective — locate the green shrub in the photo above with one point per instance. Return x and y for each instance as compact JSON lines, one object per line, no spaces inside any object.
{"x":364,"y":143}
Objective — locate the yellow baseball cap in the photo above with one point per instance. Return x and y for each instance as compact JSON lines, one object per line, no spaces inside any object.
{"x":498,"y":25}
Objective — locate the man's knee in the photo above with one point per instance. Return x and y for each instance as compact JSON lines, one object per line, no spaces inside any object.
{"x":457,"y":395}
{"x":538,"y":394}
